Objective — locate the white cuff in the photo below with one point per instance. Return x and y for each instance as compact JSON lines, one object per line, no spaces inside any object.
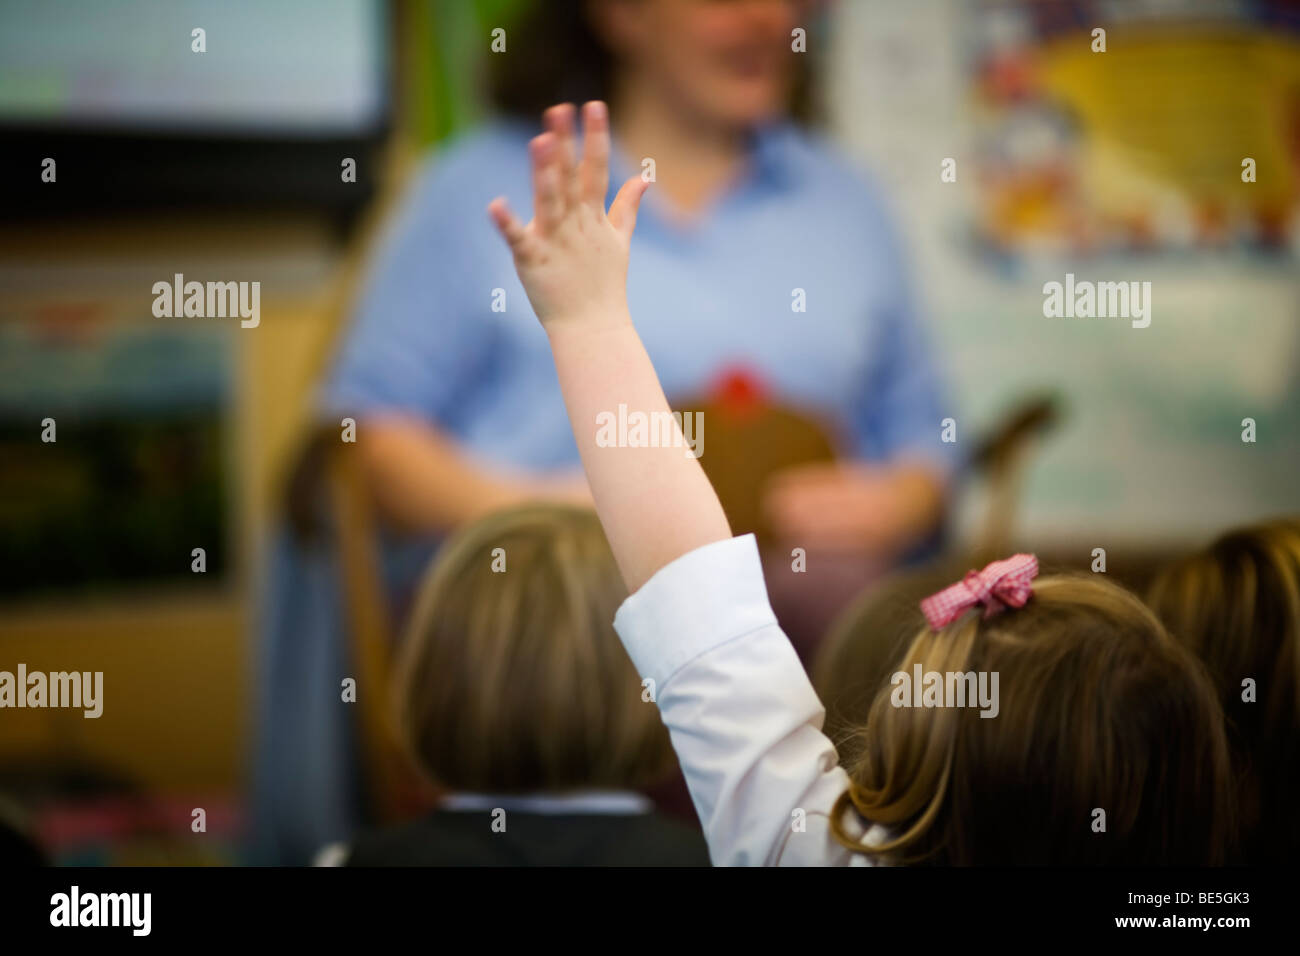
{"x":702,"y":600}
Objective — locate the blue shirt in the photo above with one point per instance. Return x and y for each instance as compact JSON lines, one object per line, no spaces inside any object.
{"x":706,"y":297}
{"x":426,"y":341}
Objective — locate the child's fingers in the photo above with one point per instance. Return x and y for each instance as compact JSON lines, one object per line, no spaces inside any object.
{"x":548,"y":206}
{"x":507,"y":223}
{"x":622,"y":214}
{"x":561,"y":121}
{"x":594,"y":171}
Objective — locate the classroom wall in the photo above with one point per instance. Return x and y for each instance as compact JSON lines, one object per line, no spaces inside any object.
{"x":1149,"y":450}
{"x":182,"y":651}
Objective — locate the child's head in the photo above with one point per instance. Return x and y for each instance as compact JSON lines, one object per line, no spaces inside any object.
{"x":861,"y":649}
{"x":512,"y":679}
{"x":1095,"y":709}
{"x":1237,"y":606}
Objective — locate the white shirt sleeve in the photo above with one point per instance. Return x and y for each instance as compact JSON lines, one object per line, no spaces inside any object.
{"x":743,"y":717}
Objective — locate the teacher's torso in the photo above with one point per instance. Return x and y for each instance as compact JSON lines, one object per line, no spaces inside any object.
{"x":793,"y":274}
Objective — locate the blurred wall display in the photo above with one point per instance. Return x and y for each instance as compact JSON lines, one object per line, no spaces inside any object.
{"x":1116,"y":166}
{"x":158,"y":105}
{"x":1107,"y":127}
{"x":135,"y":477}
{"x":282,"y":68}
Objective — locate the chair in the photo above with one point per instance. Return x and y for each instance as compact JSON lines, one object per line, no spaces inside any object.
{"x":327,"y":500}
{"x":327,"y":495}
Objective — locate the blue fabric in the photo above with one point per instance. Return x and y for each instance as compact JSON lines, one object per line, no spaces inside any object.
{"x":306,"y":792}
{"x":426,"y":341}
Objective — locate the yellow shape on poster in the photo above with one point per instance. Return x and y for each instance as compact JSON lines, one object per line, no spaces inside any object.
{"x":1180,"y":111}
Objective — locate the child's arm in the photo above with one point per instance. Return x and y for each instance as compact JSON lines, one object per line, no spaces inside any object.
{"x":655,"y":503}
{"x":743,"y":718}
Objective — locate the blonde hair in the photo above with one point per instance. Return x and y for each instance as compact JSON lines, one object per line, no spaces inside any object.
{"x":1236,"y":604}
{"x":1099,"y":710}
{"x":513,"y":680}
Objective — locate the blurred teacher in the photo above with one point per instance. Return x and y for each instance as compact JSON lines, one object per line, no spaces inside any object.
{"x":450,"y":378}
{"x":459,"y":404}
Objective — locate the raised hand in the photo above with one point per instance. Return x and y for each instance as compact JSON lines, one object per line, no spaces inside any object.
{"x":655,"y":503}
{"x":572,"y":257}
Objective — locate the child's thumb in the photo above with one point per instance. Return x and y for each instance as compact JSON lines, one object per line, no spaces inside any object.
{"x":622,"y":213}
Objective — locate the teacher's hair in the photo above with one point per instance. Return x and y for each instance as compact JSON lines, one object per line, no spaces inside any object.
{"x":556,"y":56}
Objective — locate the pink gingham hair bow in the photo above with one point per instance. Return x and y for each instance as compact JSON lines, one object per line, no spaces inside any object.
{"x":1001,"y":583}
